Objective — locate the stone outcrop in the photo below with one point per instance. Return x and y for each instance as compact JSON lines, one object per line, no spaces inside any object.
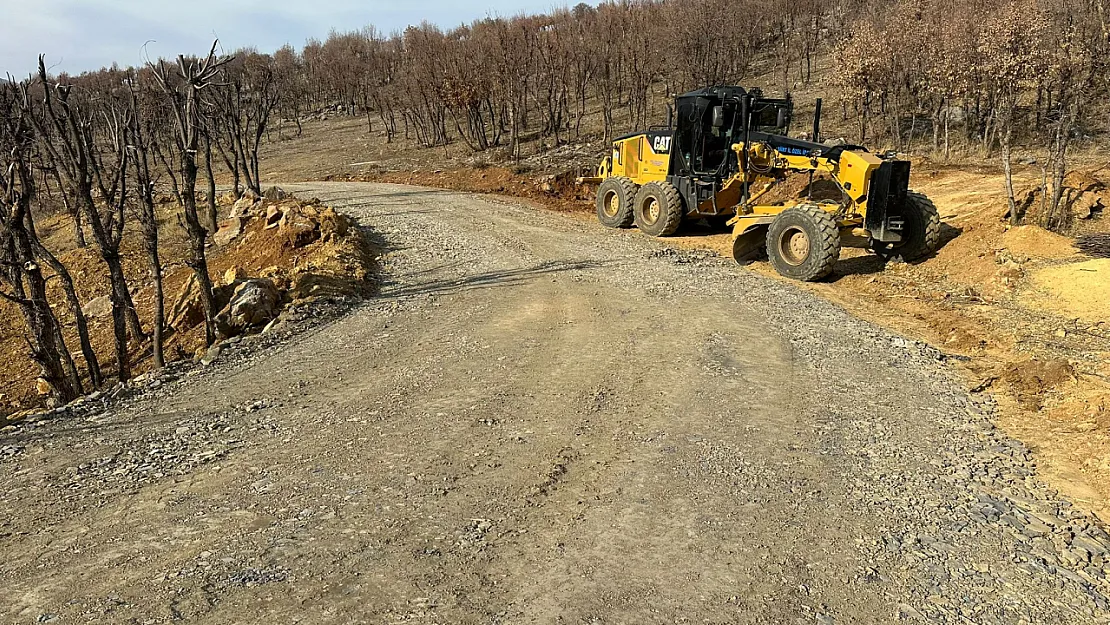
{"x":254,"y":303}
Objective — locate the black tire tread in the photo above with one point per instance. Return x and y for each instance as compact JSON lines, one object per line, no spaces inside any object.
{"x":929,"y":241}
{"x":626,"y":190}
{"x":670,"y":217}
{"x":827,"y":252}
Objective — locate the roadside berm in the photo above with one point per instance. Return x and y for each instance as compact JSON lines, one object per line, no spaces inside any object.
{"x":269,"y":256}
{"x":272,"y":253}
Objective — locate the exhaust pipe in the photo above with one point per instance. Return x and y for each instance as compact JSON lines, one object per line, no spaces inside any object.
{"x":746,"y":103}
{"x":817,"y":123}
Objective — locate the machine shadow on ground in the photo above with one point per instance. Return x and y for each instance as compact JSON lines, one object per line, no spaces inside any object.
{"x":846,"y":266}
{"x":870,"y":263}
{"x":490,"y":279}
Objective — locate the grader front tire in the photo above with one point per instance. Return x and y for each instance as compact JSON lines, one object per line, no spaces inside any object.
{"x":920,"y":231}
{"x":614,"y":202}
{"x":803,"y":243}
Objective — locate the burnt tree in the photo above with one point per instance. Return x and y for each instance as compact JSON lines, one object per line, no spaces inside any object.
{"x":92,"y":161}
{"x":20,"y":273}
{"x":182,"y":90}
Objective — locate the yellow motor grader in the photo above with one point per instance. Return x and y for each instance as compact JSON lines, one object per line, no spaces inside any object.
{"x":725,"y":148}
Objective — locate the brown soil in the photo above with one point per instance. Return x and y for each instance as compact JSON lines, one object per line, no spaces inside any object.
{"x":329,"y":266}
{"x":1079,"y":289}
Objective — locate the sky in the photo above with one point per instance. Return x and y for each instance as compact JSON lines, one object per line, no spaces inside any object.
{"x":84,"y":35}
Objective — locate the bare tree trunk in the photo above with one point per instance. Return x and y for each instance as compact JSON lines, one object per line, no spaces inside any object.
{"x":148,"y":222}
{"x":41,"y":324}
{"x":119,"y":299}
{"x":233,"y":168}
{"x":1056,"y":217}
{"x":169,"y":172}
{"x":1044,"y":185}
{"x":158,"y":348}
{"x":213,"y":219}
{"x":197,"y":260}
{"x":33,"y":243}
{"x":92,"y":364}
{"x":936,"y":126}
{"x":150,"y":241}
{"x":67,"y":359}
{"x":197,"y":74}
{"x":1006,"y":135}
{"x":80,"y":159}
{"x":131,"y":314}
{"x":947,"y":118}
{"x":78,"y":232}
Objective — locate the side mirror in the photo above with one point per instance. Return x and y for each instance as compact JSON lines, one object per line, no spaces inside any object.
{"x":784,"y":119}
{"x":718,"y":116}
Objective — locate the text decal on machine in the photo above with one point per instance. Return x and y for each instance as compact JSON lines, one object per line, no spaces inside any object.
{"x":792,"y":151}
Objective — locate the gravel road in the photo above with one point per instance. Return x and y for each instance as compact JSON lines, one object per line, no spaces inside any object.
{"x":542,"y":421}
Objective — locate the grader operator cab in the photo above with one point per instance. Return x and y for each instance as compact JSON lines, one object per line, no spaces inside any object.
{"x":725,"y":148}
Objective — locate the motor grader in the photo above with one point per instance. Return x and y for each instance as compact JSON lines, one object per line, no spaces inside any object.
{"x":725,"y":148}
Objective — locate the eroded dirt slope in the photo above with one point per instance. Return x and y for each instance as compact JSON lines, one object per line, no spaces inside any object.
{"x":539,"y":420}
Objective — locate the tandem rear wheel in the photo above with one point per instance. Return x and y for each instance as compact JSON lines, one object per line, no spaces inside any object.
{"x":614,"y":202}
{"x":658,"y":209}
{"x":920,"y":231}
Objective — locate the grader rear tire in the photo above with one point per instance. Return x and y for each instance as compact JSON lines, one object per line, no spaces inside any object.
{"x":658,"y":209}
{"x":803,"y":243}
{"x":614,"y":202}
{"x":920,"y":231}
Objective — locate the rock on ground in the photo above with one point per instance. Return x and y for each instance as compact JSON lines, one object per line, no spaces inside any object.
{"x":187,"y":310}
{"x":229,"y":229}
{"x":254,"y":303}
{"x":98,"y":307}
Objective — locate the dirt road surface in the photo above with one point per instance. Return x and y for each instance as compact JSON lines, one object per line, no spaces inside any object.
{"x":542,"y":421}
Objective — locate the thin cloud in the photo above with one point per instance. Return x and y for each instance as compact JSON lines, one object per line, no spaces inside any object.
{"x":82,"y":35}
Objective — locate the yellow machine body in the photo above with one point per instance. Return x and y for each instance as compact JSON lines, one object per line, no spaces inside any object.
{"x":642,"y":158}
{"x":727,"y":149}
{"x":851,"y":172}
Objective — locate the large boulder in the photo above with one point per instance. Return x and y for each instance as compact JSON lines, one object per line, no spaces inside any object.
{"x":234,"y":274}
{"x":1087,"y":205}
{"x":229,"y":229}
{"x":274,"y":215}
{"x":254,"y":303}
{"x":188,"y":308}
{"x":333,"y":226}
{"x":97,"y":308}
{"x":241,"y":208}
{"x":297,"y":229}
{"x":275,"y":194}
{"x":244,"y":206}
